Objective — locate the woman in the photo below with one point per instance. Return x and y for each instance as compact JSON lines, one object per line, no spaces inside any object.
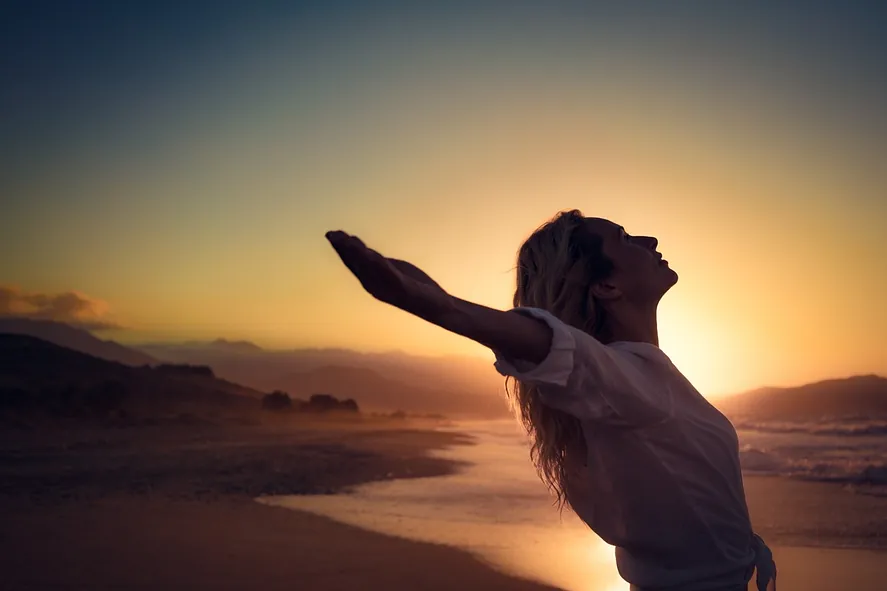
{"x":618,"y":433}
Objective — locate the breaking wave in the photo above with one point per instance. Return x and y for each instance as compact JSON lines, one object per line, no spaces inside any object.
{"x":850,"y":451}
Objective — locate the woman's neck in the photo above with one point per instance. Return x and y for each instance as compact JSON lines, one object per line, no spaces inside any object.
{"x":631,"y":323}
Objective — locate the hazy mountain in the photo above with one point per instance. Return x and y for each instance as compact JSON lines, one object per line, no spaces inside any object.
{"x":235,"y":346}
{"x":171,"y":351}
{"x":77,"y":339}
{"x":39,"y":378}
{"x":375,"y":392}
{"x":462,"y":385}
{"x":853,"y":397}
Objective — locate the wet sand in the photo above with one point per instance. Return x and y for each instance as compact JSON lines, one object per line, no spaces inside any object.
{"x":790,"y":512}
{"x":829,"y":569}
{"x":153,"y":544}
{"x":173,"y":508}
{"x":824,"y":536}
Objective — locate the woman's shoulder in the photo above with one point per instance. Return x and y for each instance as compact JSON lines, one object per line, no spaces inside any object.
{"x":645,"y":351}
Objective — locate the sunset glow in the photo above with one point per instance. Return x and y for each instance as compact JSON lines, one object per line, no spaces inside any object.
{"x":189,"y":186}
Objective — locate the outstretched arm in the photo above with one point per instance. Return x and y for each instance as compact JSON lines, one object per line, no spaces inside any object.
{"x":407,"y":287}
{"x":575,"y":372}
{"x":508,"y":333}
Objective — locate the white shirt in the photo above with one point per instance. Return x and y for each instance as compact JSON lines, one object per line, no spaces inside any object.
{"x":662,"y":482}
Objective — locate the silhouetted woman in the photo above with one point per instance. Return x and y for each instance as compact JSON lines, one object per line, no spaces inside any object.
{"x":618,"y":433}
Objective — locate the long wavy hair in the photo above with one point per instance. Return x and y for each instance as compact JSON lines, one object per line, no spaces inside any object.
{"x":556,"y":267}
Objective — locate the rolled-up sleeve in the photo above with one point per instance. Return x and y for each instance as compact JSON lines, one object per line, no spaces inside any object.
{"x":590,"y":380}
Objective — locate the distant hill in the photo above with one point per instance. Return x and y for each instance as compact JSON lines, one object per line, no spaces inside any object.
{"x":235,"y":346}
{"x":854,"y":397}
{"x":77,"y":339}
{"x":190,"y":348}
{"x":41,"y":379}
{"x":375,"y":392}
{"x":452,"y":385}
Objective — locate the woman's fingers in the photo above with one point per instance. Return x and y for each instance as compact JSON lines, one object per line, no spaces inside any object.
{"x":336,"y":236}
{"x":344,"y":242}
{"x":344,"y":248}
{"x":373,"y":270}
{"x":352,"y":248}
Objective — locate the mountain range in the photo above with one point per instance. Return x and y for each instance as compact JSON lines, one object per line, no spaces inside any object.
{"x":857,"y":397}
{"x":77,"y":339}
{"x":39,"y":379}
{"x":460,"y":387}
{"x":455,"y":386}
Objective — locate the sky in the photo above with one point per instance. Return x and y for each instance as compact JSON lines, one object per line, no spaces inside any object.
{"x":168,"y":169}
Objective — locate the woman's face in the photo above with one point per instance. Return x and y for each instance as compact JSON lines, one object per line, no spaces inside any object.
{"x":640,"y":273}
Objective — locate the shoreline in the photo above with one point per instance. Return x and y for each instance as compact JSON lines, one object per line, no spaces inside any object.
{"x":217,"y":462}
{"x":232,"y":544}
{"x":174,"y":509}
{"x":840,"y":546}
{"x":797,"y":513}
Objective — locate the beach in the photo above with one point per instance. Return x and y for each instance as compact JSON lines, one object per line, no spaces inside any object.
{"x":176,"y":509}
{"x":823,"y":535}
{"x":150,"y":544}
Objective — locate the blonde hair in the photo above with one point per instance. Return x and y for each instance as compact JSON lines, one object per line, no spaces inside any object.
{"x":556,"y":267}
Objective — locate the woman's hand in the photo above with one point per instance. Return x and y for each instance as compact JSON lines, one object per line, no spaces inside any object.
{"x":392,"y":281}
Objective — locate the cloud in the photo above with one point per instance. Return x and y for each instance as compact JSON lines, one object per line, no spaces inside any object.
{"x":70,"y":307}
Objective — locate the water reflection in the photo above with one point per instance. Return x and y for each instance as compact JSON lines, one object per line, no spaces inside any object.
{"x":497,"y":509}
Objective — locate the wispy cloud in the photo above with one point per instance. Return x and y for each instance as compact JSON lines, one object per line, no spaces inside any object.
{"x":70,"y":307}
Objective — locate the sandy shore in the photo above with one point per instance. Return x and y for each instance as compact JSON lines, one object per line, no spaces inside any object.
{"x":148,"y":544}
{"x":824,"y":536}
{"x":789,"y":512}
{"x":174,"y":509}
{"x":830,"y":569}
{"x":206,"y":462}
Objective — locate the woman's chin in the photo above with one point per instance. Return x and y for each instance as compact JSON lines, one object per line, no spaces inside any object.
{"x":672,"y":275}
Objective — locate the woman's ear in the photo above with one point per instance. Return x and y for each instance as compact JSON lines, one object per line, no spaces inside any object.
{"x":605,"y":290}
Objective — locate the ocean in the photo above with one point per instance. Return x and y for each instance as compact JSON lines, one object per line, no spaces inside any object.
{"x":850,"y":451}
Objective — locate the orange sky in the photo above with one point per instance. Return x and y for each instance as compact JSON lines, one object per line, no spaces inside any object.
{"x":201,"y":214}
